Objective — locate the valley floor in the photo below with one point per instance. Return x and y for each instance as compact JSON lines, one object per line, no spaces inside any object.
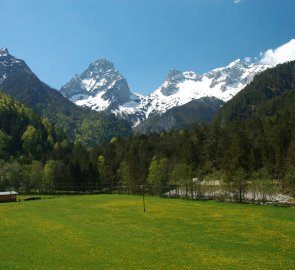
{"x":113,"y":232}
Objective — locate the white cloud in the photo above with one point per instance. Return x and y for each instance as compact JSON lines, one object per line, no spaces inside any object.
{"x":248,"y":59}
{"x":284,"y":53}
{"x":237,"y":1}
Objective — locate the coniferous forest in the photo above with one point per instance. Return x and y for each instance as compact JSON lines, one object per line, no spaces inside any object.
{"x":249,"y":146}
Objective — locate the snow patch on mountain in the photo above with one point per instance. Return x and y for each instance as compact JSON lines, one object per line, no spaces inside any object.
{"x":96,"y":102}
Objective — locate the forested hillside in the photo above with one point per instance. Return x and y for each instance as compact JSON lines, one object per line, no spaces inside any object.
{"x":23,"y":134}
{"x":34,"y":156}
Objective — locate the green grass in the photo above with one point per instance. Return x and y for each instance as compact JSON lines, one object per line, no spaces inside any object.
{"x":113,"y":232}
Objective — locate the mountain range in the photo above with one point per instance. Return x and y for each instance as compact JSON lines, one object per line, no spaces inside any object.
{"x":101,"y":93}
{"x":102,"y":88}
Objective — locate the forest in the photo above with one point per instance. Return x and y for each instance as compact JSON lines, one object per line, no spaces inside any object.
{"x":252,"y":150}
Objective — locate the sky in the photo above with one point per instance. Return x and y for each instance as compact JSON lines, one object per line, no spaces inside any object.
{"x":143,"y":38}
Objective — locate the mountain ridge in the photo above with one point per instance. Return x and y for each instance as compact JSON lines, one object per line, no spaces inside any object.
{"x":178,"y":89}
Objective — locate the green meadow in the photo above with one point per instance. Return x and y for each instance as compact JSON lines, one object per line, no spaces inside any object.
{"x":113,"y":232}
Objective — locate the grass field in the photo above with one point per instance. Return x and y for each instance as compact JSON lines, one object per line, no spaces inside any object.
{"x":113,"y":232}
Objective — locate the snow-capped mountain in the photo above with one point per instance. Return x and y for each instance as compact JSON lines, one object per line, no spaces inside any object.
{"x":222,"y":83}
{"x":101,"y":87}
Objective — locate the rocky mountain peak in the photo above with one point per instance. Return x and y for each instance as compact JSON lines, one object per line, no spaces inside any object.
{"x":174,"y":74}
{"x":235,"y":63}
{"x":236,"y":75}
{"x":100,"y":85}
{"x":9,"y":64}
{"x":4,"y":52}
{"x":169,"y":87}
{"x":101,"y":65}
{"x":100,"y":69}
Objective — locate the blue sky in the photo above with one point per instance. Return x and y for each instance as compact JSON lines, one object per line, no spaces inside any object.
{"x":144,"y":38}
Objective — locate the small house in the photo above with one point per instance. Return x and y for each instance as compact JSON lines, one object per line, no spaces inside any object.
{"x":8,"y":196}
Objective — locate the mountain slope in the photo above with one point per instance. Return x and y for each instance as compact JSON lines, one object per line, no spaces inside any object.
{"x":20,"y":82}
{"x":271,"y":92}
{"x":101,"y":87}
{"x":193,"y":112}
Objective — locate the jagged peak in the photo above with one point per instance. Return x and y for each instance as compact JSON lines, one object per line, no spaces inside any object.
{"x":174,"y":73}
{"x":4,"y":52}
{"x":191,"y":75}
{"x":234,"y":63}
{"x":7,"y":61}
{"x":245,"y":63}
{"x":102,"y":64}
